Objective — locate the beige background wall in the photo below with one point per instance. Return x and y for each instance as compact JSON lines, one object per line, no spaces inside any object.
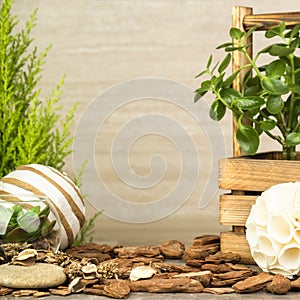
{"x":99,"y":44}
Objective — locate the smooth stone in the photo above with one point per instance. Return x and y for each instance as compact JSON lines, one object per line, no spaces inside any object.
{"x":40,"y":275}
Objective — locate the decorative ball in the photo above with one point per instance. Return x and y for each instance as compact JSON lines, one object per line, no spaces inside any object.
{"x":65,"y":196}
{"x":273,"y":229}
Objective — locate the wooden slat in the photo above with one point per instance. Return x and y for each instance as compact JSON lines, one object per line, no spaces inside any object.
{"x":235,"y":209}
{"x":236,"y":243}
{"x":247,"y":174}
{"x":238,"y":60}
{"x":267,"y":21}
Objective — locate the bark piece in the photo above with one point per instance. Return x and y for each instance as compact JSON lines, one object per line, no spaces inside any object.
{"x":144,"y":250}
{"x":23,"y":293}
{"x":295,"y":284}
{"x":118,"y":289}
{"x":40,"y":294}
{"x":170,"y":267}
{"x":5,"y":291}
{"x":222,"y":268}
{"x":200,"y":252}
{"x":223,"y":257}
{"x":92,"y":250}
{"x":229,"y":278}
{"x":147,"y":260}
{"x":206,"y":239}
{"x":60,"y":291}
{"x":203,"y":276}
{"x":159,"y":285}
{"x":194,"y":262}
{"x":279,"y":285}
{"x":219,"y":291}
{"x":253,"y":284}
{"x":172,"y":249}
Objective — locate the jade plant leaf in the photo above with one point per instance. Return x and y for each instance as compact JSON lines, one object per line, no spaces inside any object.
{"x":248,"y":139}
{"x":274,"y":104}
{"x":293,"y":139}
{"x":217,"y":110}
{"x":274,"y":86}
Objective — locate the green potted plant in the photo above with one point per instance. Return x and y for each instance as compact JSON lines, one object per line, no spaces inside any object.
{"x":31,"y":129}
{"x":263,"y":98}
{"x":270,"y":94}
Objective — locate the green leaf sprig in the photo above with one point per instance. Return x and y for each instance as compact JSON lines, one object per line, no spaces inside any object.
{"x":270,"y":94}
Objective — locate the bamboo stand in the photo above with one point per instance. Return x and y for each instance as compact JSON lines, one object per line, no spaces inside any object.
{"x":247,"y":177}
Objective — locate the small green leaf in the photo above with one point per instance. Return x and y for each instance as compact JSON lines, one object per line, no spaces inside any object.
{"x":294,"y":88}
{"x":276,"y":68}
{"x":293,"y":32}
{"x":224,"y":64}
{"x":225,"y":45}
{"x":230,"y":79}
{"x":217,"y":110}
{"x":247,"y":138}
{"x":267,"y":125}
{"x":274,"y":86}
{"x":229,"y":95}
{"x":231,"y":49}
{"x":293,"y":139}
{"x":280,"y":50}
{"x":249,"y":103}
{"x":236,"y":33}
{"x":251,"y":30}
{"x":275,"y":31}
{"x":274,"y":104}
{"x":209,"y":62}
{"x":197,"y":97}
{"x":201,"y":73}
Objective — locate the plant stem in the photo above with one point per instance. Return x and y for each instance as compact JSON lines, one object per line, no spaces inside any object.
{"x":289,"y":152}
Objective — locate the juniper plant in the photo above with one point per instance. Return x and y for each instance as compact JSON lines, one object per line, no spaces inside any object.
{"x":31,"y":129}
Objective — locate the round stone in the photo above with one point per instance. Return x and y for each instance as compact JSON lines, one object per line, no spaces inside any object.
{"x":40,"y":275}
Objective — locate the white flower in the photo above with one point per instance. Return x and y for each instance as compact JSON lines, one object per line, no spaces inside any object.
{"x":273,"y":229}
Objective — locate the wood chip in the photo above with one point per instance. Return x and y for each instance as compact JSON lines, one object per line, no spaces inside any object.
{"x":171,"y":267}
{"x":101,"y":252}
{"x":279,"y":285}
{"x":5,"y":291}
{"x":23,"y":293}
{"x":144,"y":250}
{"x":195,"y":263}
{"x":40,"y":294}
{"x":203,"y":276}
{"x":200,"y":252}
{"x":60,"y":291}
{"x":223,"y":257}
{"x":172,"y":249}
{"x":93,"y":291}
{"x":206,"y":239}
{"x":118,"y":289}
{"x":221,"y":268}
{"x":159,"y":285}
{"x":253,"y":284}
{"x":229,"y":278}
{"x":219,"y":291}
{"x":295,"y":284}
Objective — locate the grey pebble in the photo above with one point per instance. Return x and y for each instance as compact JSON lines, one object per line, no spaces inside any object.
{"x":40,"y":275}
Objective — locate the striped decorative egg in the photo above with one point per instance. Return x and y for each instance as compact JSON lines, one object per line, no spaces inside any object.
{"x":65,"y":196}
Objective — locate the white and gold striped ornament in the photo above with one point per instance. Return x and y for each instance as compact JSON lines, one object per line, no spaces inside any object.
{"x":65,"y":196}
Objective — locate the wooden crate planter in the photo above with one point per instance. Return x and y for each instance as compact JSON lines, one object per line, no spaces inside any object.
{"x":247,"y":177}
